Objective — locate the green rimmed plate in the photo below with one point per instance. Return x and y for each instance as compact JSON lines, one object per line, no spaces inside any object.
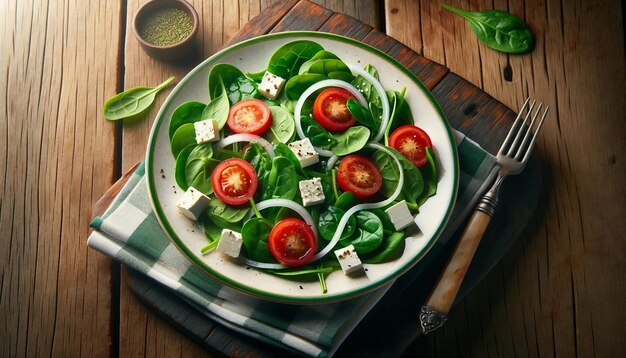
{"x":251,"y":56}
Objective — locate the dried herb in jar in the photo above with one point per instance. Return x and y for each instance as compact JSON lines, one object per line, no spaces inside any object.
{"x":166,"y":27}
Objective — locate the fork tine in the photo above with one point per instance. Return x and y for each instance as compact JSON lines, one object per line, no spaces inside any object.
{"x":522,"y":146}
{"x":532,"y":142}
{"x":509,"y":136}
{"x":521,"y":130}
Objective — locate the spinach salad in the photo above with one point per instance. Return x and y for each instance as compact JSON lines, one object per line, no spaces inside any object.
{"x":306,"y":167}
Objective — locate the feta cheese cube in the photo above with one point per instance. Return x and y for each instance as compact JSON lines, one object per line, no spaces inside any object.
{"x":192,"y":203}
{"x":230,"y":243}
{"x":400,"y":215}
{"x":349,"y":260}
{"x":311,"y":191}
{"x":206,"y":131}
{"x":271,"y":85}
{"x":304,"y":151}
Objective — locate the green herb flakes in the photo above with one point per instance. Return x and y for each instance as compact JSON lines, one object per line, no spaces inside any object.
{"x":166,"y":27}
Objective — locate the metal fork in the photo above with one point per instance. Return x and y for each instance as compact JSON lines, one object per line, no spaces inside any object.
{"x":512,"y":158}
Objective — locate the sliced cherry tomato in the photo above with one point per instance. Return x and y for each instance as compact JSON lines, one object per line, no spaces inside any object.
{"x":359,"y":175}
{"x":292,"y":242}
{"x":330,"y":109}
{"x":411,"y":141}
{"x":251,"y":116}
{"x":234,"y":181}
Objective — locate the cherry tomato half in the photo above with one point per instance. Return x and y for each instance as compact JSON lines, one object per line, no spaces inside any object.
{"x":330,"y":109}
{"x":292,"y":242}
{"x":359,"y":175}
{"x":411,"y":141}
{"x":234,"y":181}
{"x":251,"y":116}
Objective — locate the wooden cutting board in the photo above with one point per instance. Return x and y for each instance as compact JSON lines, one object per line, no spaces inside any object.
{"x":391,"y":326}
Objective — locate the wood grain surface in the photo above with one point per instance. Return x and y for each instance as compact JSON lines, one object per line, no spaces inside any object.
{"x":560,"y":291}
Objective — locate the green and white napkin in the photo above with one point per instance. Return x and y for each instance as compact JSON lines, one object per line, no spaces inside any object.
{"x":129,"y":232}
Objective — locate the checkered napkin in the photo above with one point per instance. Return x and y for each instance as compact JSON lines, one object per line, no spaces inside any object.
{"x":129,"y":232}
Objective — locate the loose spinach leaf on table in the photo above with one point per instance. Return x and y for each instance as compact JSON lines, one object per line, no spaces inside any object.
{"x":286,"y":61}
{"x":328,"y":221}
{"x":283,"y":126}
{"x":218,"y":107}
{"x":368,"y":234}
{"x":255,"y":234}
{"x":132,"y":101}
{"x":185,"y":135}
{"x":498,"y":29}
{"x":238,"y":86}
{"x":188,"y":112}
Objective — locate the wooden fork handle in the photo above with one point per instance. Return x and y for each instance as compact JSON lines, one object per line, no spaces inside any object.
{"x":434,"y":312}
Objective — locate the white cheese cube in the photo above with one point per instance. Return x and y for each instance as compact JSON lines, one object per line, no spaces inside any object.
{"x":193,"y":203}
{"x":271,"y":85}
{"x":349,"y":260}
{"x":206,"y":131}
{"x":304,"y":151}
{"x":400,"y":215}
{"x":311,"y":191}
{"x":230,"y":243}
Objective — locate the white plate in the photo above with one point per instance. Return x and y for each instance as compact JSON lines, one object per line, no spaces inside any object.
{"x":252,"y":56}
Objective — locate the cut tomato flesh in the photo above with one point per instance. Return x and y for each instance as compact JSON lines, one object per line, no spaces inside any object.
{"x":359,"y":175}
{"x":235,"y":181}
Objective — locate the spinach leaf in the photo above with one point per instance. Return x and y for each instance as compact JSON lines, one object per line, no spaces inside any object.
{"x":369,"y":233}
{"x":261,"y":161}
{"x":255,"y":234}
{"x":283,"y":126}
{"x":346,"y":201}
{"x":363,"y":115}
{"x":286,"y":61}
{"x":413,"y":181}
{"x":498,"y":29}
{"x":326,"y":66}
{"x":199,"y":167}
{"x":391,"y":249}
{"x":400,"y":112}
{"x":429,"y":172}
{"x":229,"y":214}
{"x":320,"y":55}
{"x":317,"y":134}
{"x":181,"y":163}
{"x":283,"y":182}
{"x":295,"y":87}
{"x":218,"y":107}
{"x":328,"y":221}
{"x":188,"y":112}
{"x":184,"y":136}
{"x":256,"y":76}
{"x":340,"y":75}
{"x":132,"y":101}
{"x":212,"y":232}
{"x":369,"y":92}
{"x":282,"y":150}
{"x":238,"y":86}
{"x":350,"y":141}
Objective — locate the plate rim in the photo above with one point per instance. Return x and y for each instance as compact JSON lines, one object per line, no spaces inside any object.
{"x":253,"y":291}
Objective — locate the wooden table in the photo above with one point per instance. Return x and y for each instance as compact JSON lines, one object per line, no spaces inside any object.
{"x":560,"y":290}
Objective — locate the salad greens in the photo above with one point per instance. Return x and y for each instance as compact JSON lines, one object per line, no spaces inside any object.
{"x":301,"y":64}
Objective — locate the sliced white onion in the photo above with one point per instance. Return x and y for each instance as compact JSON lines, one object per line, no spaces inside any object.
{"x":270,"y":203}
{"x":383,"y":97}
{"x":331,"y":162}
{"x":244,"y":137}
{"x":309,"y":91}
{"x":365,"y":206}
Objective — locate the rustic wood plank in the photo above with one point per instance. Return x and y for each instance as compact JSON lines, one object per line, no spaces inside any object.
{"x":557,"y":289}
{"x":57,"y":158}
